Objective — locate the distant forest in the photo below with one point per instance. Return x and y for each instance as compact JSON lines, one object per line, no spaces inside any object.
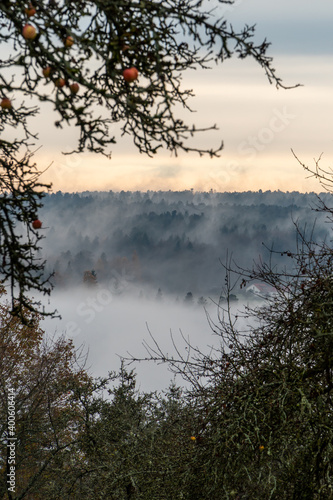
{"x":172,"y":241}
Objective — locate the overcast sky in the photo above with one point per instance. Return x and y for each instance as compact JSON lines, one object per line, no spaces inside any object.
{"x":258,"y":123}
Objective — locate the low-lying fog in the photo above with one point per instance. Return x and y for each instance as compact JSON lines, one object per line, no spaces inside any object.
{"x":110,"y":326}
{"x":119,"y":261}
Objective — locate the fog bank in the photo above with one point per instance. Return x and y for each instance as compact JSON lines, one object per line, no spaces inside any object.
{"x":118,"y":326}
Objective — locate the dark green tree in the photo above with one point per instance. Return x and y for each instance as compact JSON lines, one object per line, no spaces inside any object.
{"x":139,"y":446}
{"x":264,"y":394}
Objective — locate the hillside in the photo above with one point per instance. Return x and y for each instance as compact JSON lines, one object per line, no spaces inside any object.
{"x":175,"y":241}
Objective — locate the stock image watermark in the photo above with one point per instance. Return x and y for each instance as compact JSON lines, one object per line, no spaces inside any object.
{"x":70,"y":163}
{"x":227,"y":8}
{"x":11,"y":442}
{"x":224,"y":174}
{"x":253,"y":145}
{"x":97,"y":301}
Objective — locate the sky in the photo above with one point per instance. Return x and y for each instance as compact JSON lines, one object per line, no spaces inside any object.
{"x":258,"y":123}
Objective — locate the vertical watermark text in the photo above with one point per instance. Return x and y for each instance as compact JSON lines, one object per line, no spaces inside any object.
{"x":11,"y":442}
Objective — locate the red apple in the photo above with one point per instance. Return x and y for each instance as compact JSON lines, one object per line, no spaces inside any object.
{"x":29,"y":32}
{"x":47,"y":71}
{"x":69,"y":41}
{"x":130,"y":74}
{"x":74,"y":87}
{"x":6,"y":103}
{"x":30,"y":10}
{"x":36,"y":224}
{"x":59,"y":83}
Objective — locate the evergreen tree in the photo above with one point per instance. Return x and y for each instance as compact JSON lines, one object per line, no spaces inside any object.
{"x":264,"y":396}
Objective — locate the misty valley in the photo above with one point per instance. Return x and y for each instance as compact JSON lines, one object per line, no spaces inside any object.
{"x":130,"y":264}
{"x":157,"y":243}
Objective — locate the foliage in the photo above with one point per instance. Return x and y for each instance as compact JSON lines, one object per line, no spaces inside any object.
{"x":255,"y":421}
{"x":71,"y":441}
{"x":265,"y":395}
{"x":44,"y":378}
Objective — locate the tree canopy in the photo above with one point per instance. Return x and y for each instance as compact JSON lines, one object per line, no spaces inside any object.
{"x":264,"y":395}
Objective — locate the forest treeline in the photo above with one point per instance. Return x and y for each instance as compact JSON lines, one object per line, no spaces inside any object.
{"x":175,"y":241}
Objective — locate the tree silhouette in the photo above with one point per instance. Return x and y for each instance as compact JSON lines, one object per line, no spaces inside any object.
{"x":20,"y":199}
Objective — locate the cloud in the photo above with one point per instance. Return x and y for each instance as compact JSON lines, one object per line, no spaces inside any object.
{"x":237,"y":97}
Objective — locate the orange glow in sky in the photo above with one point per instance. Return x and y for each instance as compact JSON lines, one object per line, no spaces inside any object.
{"x":258,"y":124}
